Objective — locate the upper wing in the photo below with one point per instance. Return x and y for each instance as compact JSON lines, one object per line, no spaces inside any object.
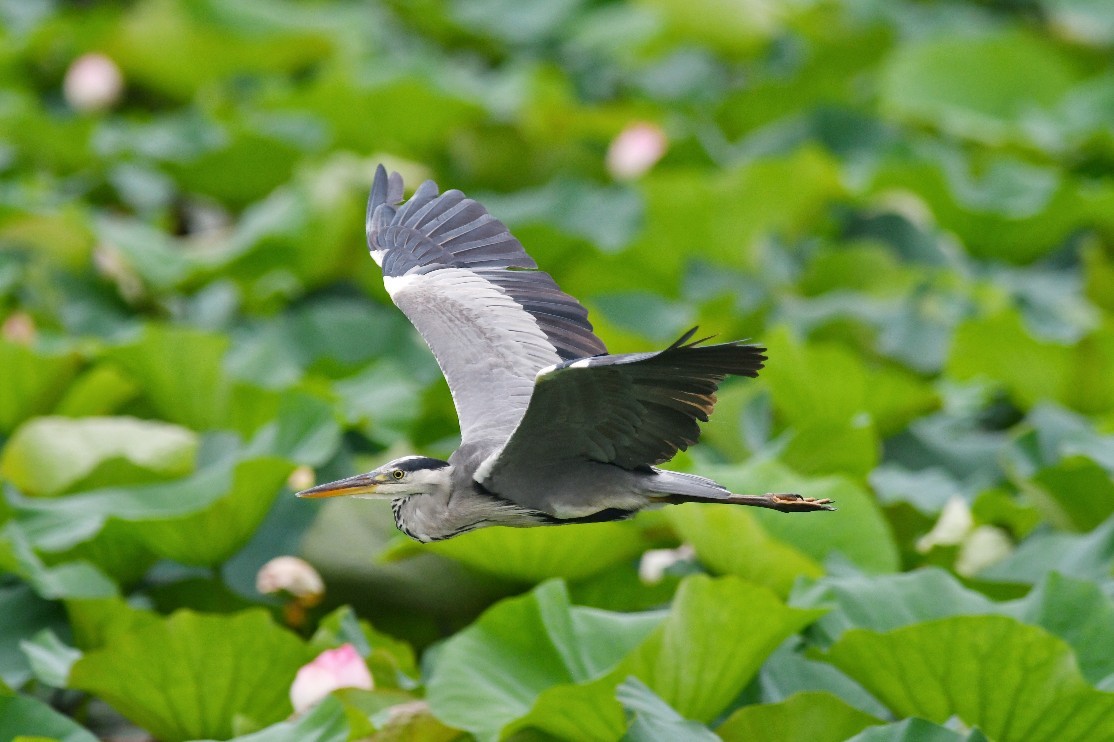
{"x":629,"y":410}
{"x":491,"y":318}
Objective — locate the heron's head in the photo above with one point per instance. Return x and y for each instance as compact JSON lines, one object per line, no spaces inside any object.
{"x":410,"y":475}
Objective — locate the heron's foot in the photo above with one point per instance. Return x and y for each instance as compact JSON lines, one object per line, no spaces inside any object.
{"x":794,"y":503}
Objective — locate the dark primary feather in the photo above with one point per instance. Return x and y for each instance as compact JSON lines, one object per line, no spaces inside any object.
{"x":432,"y":231}
{"x":632,"y":410}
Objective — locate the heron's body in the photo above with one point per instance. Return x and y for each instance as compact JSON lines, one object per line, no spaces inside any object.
{"x":553,"y":429}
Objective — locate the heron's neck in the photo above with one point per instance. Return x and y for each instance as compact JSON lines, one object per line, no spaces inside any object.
{"x":423,"y":516}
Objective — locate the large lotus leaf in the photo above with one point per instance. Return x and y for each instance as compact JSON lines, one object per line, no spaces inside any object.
{"x":915,"y":730}
{"x":729,"y":540}
{"x":981,"y":203}
{"x":179,"y":370}
{"x":928,"y":490}
{"x":736,"y":208}
{"x":98,"y":621}
{"x":585,"y":711}
{"x":822,"y":383}
{"x":22,"y":615}
{"x":886,"y":602}
{"x":968,"y":667}
{"x":491,"y":673}
{"x":653,"y":719}
{"x":48,"y":455}
{"x":606,"y":216}
{"x":728,"y":28}
{"x":1075,"y":493}
{"x":788,"y":672}
{"x":302,"y":429}
{"x":692,"y":635}
{"x":49,"y":657}
{"x":1062,"y":464}
{"x":999,"y":347}
{"x":264,"y":159}
{"x":1086,"y":556}
{"x":154,"y":36}
{"x":850,"y":448}
{"x":384,"y":400}
{"x":191,"y":675}
{"x":378,"y":115}
{"x":325,"y":722}
{"x":158,"y":259}
{"x":1078,"y":612}
{"x":99,"y":391}
{"x":535,"y":554}
{"x":725,"y":626}
{"x":228,"y":497}
{"x":985,"y":87}
{"x":805,"y":717}
{"x":856,"y":530}
{"x":227,"y":524}
{"x":33,"y":381}
{"x":23,"y":718}
{"x":76,"y":578}
{"x":1075,"y":610}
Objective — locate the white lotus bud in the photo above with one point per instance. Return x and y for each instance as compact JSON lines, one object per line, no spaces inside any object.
{"x":654,"y":563}
{"x":985,"y":546}
{"x":291,"y":575}
{"x":342,"y":667}
{"x":951,"y":528}
{"x":635,"y":150}
{"x":92,"y":83}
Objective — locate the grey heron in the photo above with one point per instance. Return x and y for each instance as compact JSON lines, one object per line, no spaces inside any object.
{"x":554,"y":429}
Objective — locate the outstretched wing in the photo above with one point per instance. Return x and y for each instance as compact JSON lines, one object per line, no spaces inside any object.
{"x":631,"y":410}
{"x":491,"y":318}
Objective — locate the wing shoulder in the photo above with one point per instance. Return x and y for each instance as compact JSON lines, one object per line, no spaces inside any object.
{"x":432,"y":231}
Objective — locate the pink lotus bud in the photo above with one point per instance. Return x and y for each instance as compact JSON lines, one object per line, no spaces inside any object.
{"x":291,"y":575}
{"x":334,"y":668}
{"x":637,"y":148}
{"x":302,"y":478}
{"x":92,"y":83}
{"x":19,"y":328}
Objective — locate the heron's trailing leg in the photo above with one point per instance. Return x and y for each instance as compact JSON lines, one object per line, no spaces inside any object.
{"x":784,"y":502}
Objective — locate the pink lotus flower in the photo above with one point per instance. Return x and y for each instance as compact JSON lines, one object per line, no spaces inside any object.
{"x":92,"y":83}
{"x":334,"y":668}
{"x":637,"y":148}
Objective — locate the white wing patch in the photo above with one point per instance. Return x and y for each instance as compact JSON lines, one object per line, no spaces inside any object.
{"x":489,"y":348}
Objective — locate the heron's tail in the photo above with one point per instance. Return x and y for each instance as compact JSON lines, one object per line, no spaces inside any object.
{"x":675,"y":487}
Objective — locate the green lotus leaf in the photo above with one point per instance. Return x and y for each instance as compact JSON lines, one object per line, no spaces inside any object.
{"x":802,"y":717}
{"x":967,"y":667}
{"x":191,"y":675}
{"x":49,"y":455}
{"x":23,"y":718}
{"x":33,"y":381}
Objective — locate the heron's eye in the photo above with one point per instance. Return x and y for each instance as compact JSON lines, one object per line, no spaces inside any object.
{"x":398,"y":474}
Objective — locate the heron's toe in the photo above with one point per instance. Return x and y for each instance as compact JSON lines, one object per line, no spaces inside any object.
{"x":799,"y":503}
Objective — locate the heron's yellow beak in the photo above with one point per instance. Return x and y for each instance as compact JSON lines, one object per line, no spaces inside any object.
{"x":361,"y":484}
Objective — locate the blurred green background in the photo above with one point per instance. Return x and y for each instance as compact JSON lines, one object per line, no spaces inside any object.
{"x":911,"y":203}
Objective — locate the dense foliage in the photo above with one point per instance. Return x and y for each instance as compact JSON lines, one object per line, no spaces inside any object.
{"x":910,"y":203}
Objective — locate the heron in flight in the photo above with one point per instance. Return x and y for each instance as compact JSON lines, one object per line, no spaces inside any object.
{"x":553,"y":428}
